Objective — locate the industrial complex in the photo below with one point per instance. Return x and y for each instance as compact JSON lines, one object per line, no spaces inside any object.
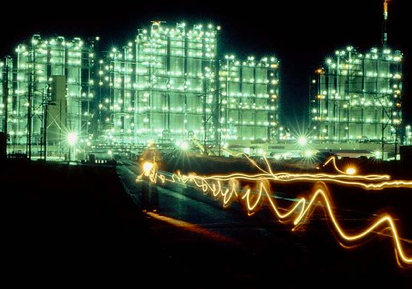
{"x":66,"y":99}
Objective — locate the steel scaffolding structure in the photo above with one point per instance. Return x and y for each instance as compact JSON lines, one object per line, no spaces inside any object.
{"x":170,"y":85}
{"x":250,"y":99}
{"x":358,"y":97}
{"x":37,"y":66}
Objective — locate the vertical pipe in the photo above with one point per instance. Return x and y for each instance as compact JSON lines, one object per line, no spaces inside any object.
{"x":384,"y":26}
{"x":6,"y":93}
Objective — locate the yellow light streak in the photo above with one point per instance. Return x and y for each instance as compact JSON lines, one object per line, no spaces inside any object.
{"x":194,"y":228}
{"x":229,"y":188}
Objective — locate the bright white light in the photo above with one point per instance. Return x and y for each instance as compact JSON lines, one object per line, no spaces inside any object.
{"x":147,"y":168}
{"x":72,"y":138}
{"x":184,"y":145}
{"x":302,"y":140}
{"x":378,"y":154}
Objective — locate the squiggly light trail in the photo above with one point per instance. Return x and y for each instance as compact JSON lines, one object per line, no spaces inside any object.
{"x":228,"y":188}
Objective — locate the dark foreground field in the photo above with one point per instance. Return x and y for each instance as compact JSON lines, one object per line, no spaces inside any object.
{"x":68,"y":224}
{"x":75,"y":226}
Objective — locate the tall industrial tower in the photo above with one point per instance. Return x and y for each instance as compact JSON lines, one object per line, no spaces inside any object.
{"x":384,"y":25}
{"x":358,"y":96}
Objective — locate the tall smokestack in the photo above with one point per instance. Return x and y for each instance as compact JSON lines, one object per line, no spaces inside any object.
{"x":385,"y":20}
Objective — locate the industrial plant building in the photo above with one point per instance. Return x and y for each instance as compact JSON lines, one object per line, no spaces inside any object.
{"x":47,"y":95}
{"x":162,"y":86}
{"x":67,"y":98}
{"x":170,"y":85}
{"x":358,"y":97}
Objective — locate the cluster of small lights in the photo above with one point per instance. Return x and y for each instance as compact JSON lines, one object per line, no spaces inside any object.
{"x":37,"y":61}
{"x":171,"y":73}
{"x":249,"y":97}
{"x":353,"y":88}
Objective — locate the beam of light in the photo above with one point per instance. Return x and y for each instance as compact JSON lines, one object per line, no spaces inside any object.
{"x":229,"y":188}
{"x":194,"y":228}
{"x":332,"y":160}
{"x":147,"y":168}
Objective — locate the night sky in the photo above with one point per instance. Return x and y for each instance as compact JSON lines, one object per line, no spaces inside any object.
{"x":300,"y":33}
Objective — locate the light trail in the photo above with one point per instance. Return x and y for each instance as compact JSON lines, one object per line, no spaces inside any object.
{"x":194,"y":228}
{"x":230,"y":187}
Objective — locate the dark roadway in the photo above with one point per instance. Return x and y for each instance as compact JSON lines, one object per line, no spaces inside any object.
{"x":78,"y":226}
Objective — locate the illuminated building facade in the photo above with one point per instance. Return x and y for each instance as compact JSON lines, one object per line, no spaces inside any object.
{"x":357,"y":97}
{"x":158,"y":86}
{"x":52,"y":91}
{"x":169,"y":85}
{"x":249,"y":99}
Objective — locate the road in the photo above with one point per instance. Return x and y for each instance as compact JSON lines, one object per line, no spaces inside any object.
{"x":222,"y":243}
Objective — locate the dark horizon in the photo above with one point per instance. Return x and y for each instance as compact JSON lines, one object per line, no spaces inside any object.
{"x":300,"y":35}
